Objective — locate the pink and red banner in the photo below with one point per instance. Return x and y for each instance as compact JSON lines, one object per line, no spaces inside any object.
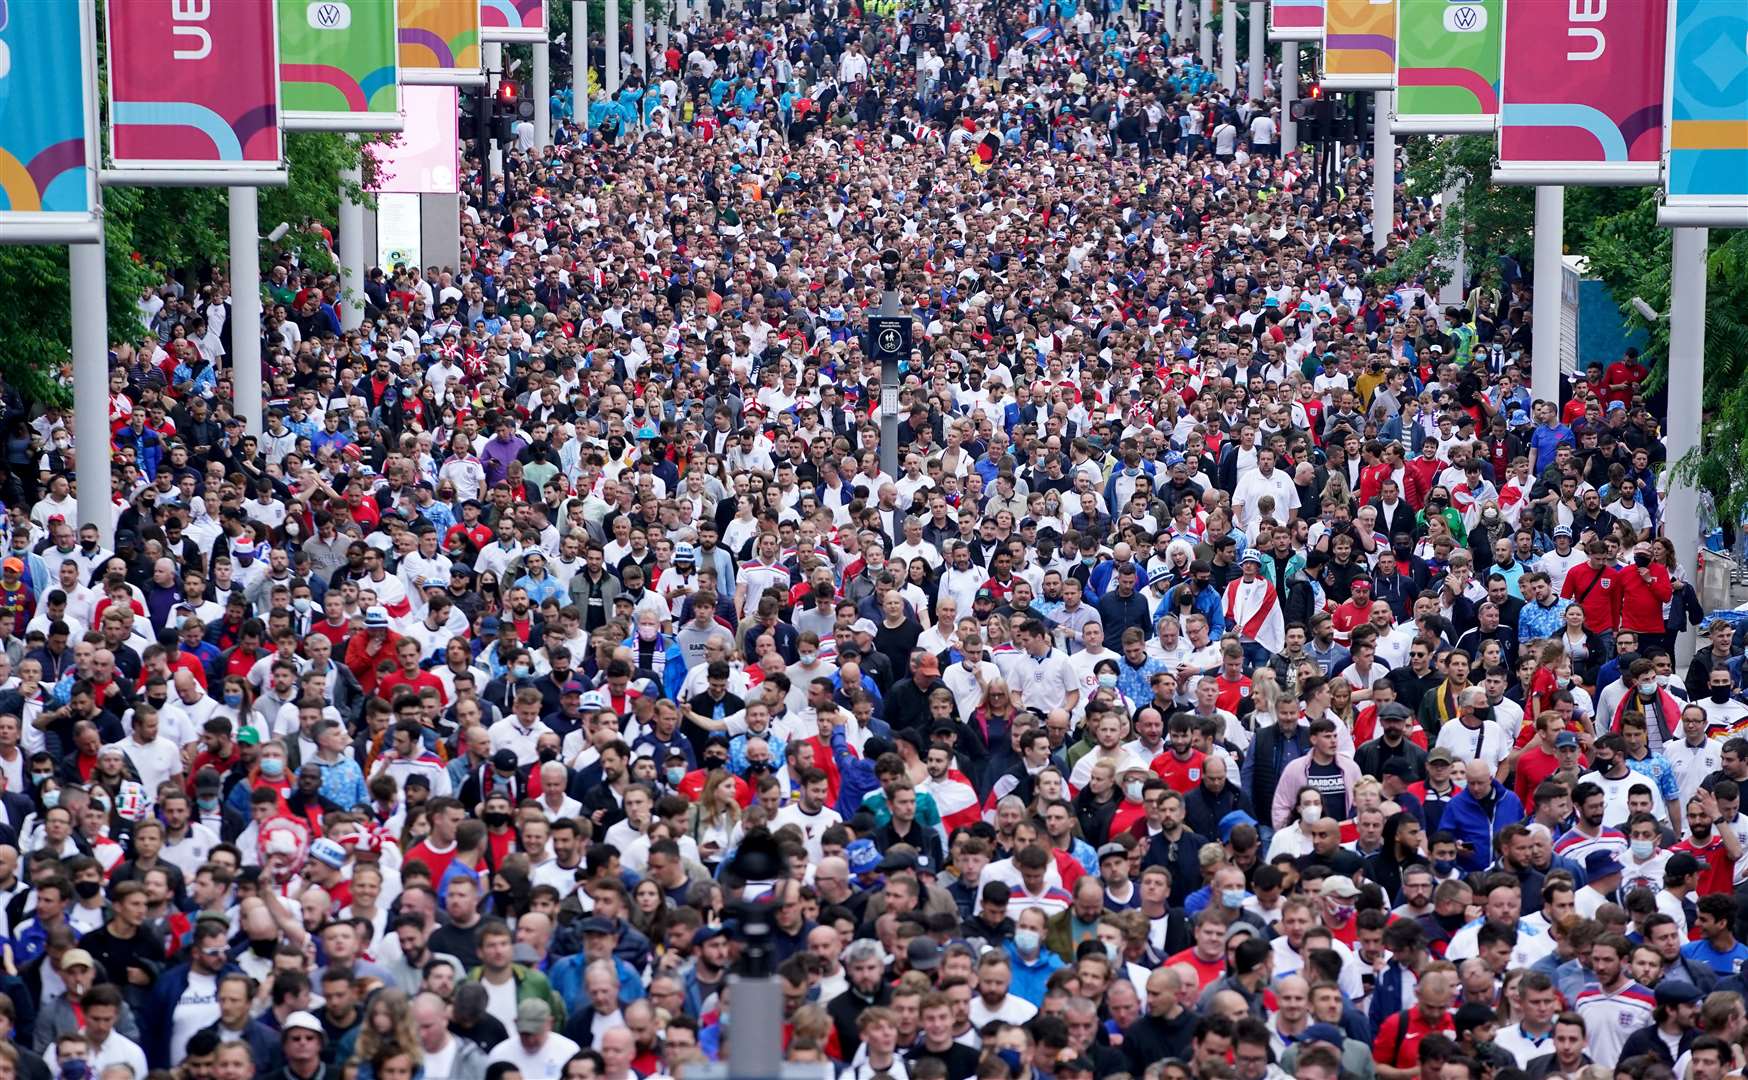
{"x":1581,"y":94}
{"x":512,"y":20}
{"x":194,"y":86}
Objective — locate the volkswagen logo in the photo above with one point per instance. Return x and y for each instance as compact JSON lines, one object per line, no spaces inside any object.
{"x":1467,"y":18}
{"x":329,"y":15}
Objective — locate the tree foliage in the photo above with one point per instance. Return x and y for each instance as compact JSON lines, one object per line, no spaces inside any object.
{"x":1616,"y":230}
{"x":1484,"y":221}
{"x":150,"y":231}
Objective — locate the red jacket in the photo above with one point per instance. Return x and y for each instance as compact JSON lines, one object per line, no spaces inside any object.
{"x":1641,"y":602}
{"x":1418,"y":476}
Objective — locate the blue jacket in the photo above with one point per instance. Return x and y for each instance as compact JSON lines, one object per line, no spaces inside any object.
{"x":1029,"y":979}
{"x":1470,"y":824}
{"x":158,"y":1018}
{"x":855,"y":775}
{"x":565,"y":976}
{"x":1208,"y":602}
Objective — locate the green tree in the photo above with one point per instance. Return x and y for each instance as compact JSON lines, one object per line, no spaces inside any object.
{"x":1485,"y":221}
{"x":149,"y":230}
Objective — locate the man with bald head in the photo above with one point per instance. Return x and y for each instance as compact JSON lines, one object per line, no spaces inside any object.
{"x":831,"y":879}
{"x":1164,"y":1032}
{"x":444,"y":1054}
{"x":618,"y":1047}
{"x":186,"y":711}
{"x":827,"y":946}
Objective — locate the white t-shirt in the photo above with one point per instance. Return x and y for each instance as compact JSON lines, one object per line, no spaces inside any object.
{"x":546,"y":1063}
{"x":1489,"y":743}
{"x":500,"y":997}
{"x":438,"y":1065}
{"x":1010,"y":1010}
{"x":197,"y":1008}
{"x":812,"y":826}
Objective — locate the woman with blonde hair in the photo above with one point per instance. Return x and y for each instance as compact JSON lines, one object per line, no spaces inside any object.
{"x":387,"y":1029}
{"x":716,"y":817}
{"x":996,"y":716}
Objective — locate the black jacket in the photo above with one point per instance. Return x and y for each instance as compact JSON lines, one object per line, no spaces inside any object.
{"x":1203,"y":811}
{"x":1179,"y":860}
{"x":847,"y":1008}
{"x":1153,"y":1038}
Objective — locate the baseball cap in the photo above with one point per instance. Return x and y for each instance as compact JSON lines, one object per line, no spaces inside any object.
{"x":1675,"y":992}
{"x":301,"y":1021}
{"x":504,"y":760}
{"x":923,"y":954}
{"x":14,"y":565}
{"x":1339,"y":885}
{"x":1440,"y":756}
{"x":1322,"y":1033}
{"x":1565,"y":739}
{"x":532,"y":1017}
{"x":73,"y":958}
{"x":864,"y":626}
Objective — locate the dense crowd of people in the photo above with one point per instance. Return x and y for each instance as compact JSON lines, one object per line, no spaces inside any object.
{"x":1242,"y":675}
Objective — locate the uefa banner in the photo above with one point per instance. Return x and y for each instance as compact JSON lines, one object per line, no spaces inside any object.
{"x":1705,"y":115}
{"x":1581,"y":100}
{"x":512,"y":20}
{"x":1359,"y":44}
{"x":194,"y":93}
{"x":339,"y":63}
{"x":426,"y":160}
{"x":48,"y":123}
{"x":1447,"y":66}
{"x":1295,"y":20}
{"x":440,"y":43}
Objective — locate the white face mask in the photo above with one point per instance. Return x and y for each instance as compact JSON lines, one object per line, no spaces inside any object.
{"x":1310,"y":815}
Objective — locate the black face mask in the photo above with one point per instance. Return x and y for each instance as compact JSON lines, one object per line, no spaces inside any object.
{"x":715,"y":763}
{"x":265,"y":948}
{"x":87,"y":890}
{"x":1720,"y":694}
{"x":547,"y":753}
{"x":495,"y":819}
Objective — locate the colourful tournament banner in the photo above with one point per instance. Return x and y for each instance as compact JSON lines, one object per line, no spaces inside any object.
{"x":1581,"y":93}
{"x":339,"y":63}
{"x":48,"y":128}
{"x":440,"y":43}
{"x":1295,"y":20}
{"x":1705,"y":115}
{"x":194,"y":89}
{"x":1447,"y":66}
{"x":1359,"y":44}
{"x":512,"y":20}
{"x":426,"y":159}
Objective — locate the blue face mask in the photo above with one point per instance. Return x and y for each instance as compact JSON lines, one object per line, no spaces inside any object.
{"x":272,"y":767}
{"x":675,"y":776}
{"x":1011,"y":1058}
{"x":234,"y":700}
{"x":1444,"y":866}
{"x":1231,"y":898}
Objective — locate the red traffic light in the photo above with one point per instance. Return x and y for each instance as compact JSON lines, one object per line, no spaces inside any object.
{"x":507,"y":91}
